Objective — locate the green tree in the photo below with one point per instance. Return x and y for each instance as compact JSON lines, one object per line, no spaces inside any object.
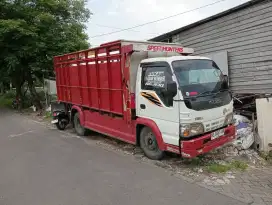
{"x":32,"y":32}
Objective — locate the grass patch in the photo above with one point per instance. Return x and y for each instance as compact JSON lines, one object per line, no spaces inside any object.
{"x":218,"y":168}
{"x":48,"y":114}
{"x":239,"y":165}
{"x":267,"y":156}
{"x":6,"y":100}
{"x":223,"y":168}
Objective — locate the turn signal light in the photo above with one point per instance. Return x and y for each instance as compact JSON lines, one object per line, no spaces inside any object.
{"x":186,"y":133}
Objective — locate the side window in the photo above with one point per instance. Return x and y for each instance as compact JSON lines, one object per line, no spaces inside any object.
{"x":155,"y":78}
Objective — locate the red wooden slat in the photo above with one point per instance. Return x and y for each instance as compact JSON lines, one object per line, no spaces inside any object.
{"x":92,"y":78}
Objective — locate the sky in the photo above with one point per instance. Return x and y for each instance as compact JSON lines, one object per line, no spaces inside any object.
{"x":113,"y":15}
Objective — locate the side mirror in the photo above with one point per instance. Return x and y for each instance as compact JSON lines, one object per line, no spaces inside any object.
{"x":172,"y":89}
{"x":225,"y":84}
{"x":170,"y":92}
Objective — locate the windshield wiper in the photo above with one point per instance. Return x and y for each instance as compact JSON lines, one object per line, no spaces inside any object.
{"x":220,"y":91}
{"x":207,"y":93}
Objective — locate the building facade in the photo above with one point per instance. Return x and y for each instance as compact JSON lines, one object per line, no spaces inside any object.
{"x":244,"y":34}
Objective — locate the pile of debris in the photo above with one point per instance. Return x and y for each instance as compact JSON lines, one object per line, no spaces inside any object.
{"x":244,"y":133}
{"x":242,"y":147}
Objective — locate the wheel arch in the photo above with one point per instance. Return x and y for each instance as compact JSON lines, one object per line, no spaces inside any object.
{"x":76,"y":109}
{"x":144,"y":122}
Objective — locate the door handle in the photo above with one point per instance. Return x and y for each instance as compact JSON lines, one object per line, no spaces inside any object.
{"x":142,"y":106}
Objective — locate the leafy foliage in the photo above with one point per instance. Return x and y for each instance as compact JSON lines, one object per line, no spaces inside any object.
{"x":6,"y":100}
{"x":32,"y":32}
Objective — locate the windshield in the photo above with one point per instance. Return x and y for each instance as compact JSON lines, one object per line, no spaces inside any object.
{"x":197,"y":77}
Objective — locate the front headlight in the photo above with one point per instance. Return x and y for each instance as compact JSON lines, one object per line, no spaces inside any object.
{"x":229,"y":119}
{"x":189,"y":130}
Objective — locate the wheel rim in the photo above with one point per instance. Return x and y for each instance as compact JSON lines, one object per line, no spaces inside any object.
{"x":150,"y":142}
{"x":77,"y":124}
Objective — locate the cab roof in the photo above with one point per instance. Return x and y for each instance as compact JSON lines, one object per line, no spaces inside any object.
{"x":174,"y":58}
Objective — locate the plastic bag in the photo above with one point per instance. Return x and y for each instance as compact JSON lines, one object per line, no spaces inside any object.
{"x":240,"y":119}
{"x":244,"y":133}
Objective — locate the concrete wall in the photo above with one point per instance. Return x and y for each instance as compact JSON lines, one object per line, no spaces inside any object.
{"x":50,"y":87}
{"x":264,"y":114}
{"x":247,"y":37}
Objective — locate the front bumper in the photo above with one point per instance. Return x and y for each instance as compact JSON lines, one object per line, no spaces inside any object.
{"x":204,"y":144}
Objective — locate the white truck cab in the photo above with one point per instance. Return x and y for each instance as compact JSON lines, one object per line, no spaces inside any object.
{"x":200,"y":105}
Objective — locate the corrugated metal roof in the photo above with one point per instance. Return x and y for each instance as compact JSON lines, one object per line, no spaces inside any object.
{"x":211,"y":18}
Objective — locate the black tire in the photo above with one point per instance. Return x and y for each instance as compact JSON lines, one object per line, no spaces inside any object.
{"x":149,"y":145}
{"x":80,"y":130}
{"x":61,"y":125}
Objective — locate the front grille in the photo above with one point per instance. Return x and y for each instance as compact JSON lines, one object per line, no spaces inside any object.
{"x":214,"y":125}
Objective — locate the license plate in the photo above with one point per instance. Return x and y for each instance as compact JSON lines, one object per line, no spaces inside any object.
{"x":217,"y":134}
{"x":54,"y":121}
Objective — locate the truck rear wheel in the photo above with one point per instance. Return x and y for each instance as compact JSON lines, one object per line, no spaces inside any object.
{"x":149,"y":145}
{"x":80,"y":130}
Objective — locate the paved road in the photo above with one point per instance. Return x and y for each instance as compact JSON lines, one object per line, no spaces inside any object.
{"x":39,"y":166}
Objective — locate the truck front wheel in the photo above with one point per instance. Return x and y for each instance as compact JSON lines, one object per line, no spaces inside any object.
{"x":80,"y":130}
{"x":149,"y":144}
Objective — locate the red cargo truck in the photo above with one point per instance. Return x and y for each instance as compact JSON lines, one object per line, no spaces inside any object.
{"x":146,"y":93}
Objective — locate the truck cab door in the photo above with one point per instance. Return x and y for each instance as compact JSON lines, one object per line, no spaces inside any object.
{"x":152,"y":103}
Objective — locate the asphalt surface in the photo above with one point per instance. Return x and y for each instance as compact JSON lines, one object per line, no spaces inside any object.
{"x":41,"y":166}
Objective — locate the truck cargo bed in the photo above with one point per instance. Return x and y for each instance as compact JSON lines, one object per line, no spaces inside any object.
{"x":92,"y":78}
